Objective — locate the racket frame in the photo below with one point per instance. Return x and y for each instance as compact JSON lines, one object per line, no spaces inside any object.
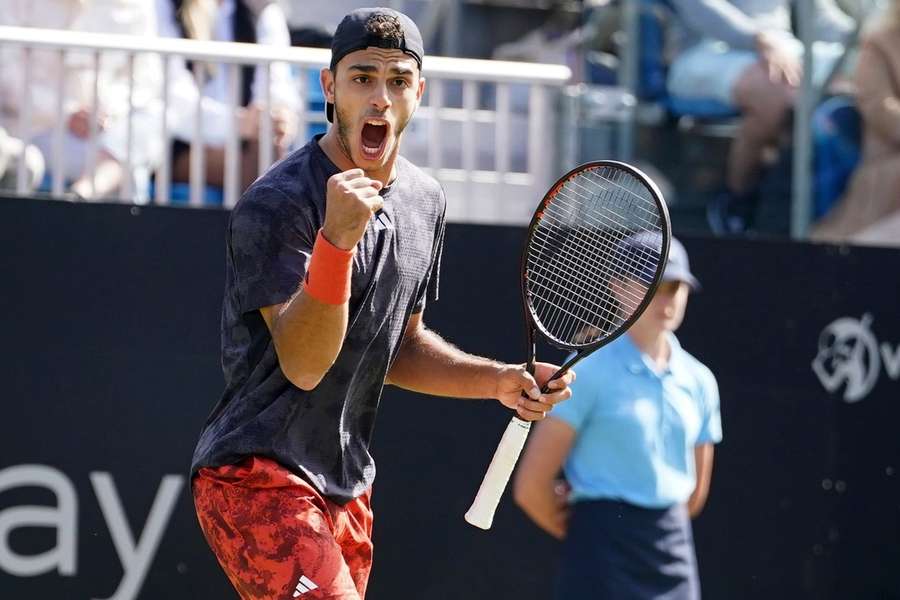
{"x":481,"y":513}
{"x":534,"y":325}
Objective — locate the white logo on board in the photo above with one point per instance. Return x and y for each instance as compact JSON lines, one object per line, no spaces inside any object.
{"x":850,"y":356}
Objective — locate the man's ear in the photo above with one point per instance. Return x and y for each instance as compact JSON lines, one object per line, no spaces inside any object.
{"x":421,"y":91}
{"x":326,"y":79}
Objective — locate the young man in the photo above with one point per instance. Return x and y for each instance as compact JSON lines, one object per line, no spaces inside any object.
{"x":331,"y":255}
{"x":636,"y":444}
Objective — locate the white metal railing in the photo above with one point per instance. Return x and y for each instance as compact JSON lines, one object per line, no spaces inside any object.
{"x":485,"y":129}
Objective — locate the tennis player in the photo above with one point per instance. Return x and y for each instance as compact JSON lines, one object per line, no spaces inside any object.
{"x":331,"y":258}
{"x":636,"y":445}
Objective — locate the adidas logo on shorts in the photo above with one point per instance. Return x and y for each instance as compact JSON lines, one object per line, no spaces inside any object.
{"x":304,"y":585}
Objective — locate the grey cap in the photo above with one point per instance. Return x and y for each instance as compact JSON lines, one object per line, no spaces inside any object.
{"x":678,"y":268}
{"x":636,"y":250}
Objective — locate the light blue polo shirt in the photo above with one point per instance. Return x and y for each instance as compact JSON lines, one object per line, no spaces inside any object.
{"x":637,"y":428}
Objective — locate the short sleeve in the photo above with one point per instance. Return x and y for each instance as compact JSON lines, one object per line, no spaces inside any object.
{"x":578,"y":408}
{"x":430,"y":290}
{"x":711,"y":428}
{"x":270,"y":239}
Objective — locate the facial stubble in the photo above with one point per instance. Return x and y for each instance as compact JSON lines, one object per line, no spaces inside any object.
{"x":343,"y":130}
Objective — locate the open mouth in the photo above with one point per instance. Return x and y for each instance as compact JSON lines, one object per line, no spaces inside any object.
{"x":374,"y":137}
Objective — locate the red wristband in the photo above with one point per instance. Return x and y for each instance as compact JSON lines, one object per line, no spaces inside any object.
{"x":329,"y":271}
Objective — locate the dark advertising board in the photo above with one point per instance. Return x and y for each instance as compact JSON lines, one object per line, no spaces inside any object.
{"x":110,"y":321}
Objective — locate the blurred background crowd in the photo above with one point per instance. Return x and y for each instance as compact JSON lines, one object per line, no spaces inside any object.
{"x":714,"y":88}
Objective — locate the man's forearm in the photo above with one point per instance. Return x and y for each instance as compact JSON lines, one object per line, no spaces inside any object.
{"x":309,"y":329}
{"x":308,"y":336}
{"x":429,"y":364}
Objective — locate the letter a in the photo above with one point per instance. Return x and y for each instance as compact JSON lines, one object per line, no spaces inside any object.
{"x":64,"y":517}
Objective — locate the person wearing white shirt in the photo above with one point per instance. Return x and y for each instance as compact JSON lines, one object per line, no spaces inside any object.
{"x":249,"y":21}
{"x":76,"y":72}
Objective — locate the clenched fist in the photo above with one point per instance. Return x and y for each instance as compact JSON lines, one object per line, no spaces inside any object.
{"x":350,"y":201}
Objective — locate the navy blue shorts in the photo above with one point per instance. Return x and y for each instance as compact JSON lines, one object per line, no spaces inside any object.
{"x":618,"y":551}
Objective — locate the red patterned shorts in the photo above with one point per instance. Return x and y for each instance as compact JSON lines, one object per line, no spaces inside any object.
{"x":276,"y":537}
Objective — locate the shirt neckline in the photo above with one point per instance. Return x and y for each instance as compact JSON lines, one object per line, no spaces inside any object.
{"x":636,"y":361}
{"x":386,"y":192}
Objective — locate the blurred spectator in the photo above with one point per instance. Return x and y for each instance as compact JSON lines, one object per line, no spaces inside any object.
{"x":742,"y":53}
{"x":884,"y":233}
{"x":75,"y":73}
{"x":873,"y":191}
{"x":12,"y":152}
{"x":837,"y":145}
{"x":248,"y":21}
{"x":559,"y":40}
{"x":635,"y":443}
{"x":313,"y":23}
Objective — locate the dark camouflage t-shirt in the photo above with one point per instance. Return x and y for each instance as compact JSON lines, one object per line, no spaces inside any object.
{"x":322,"y":435}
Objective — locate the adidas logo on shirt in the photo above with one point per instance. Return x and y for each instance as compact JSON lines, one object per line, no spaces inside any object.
{"x":304,"y":585}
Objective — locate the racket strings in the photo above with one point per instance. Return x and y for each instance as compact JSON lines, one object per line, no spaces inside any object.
{"x":640,"y":199}
{"x":599,"y":245}
{"x":600,"y":302}
{"x":593,"y":255}
{"x":651,"y":217}
{"x":596,"y":309}
{"x":596,"y":247}
{"x":589,"y":260}
{"x":593,"y":245}
{"x":650,"y":260}
{"x":592,"y":304}
{"x":594,"y":295}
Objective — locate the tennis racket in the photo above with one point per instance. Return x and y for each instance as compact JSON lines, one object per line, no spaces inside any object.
{"x":596,"y":250}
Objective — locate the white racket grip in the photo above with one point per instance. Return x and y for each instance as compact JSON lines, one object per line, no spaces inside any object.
{"x":481,"y":513}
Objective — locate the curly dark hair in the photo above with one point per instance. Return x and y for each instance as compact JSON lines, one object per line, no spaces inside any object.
{"x":385,"y":27}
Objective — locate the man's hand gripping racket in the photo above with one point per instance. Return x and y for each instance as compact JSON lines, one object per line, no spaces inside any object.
{"x":595,"y":253}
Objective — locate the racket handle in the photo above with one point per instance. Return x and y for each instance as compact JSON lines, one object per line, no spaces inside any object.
{"x":481,"y":513}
